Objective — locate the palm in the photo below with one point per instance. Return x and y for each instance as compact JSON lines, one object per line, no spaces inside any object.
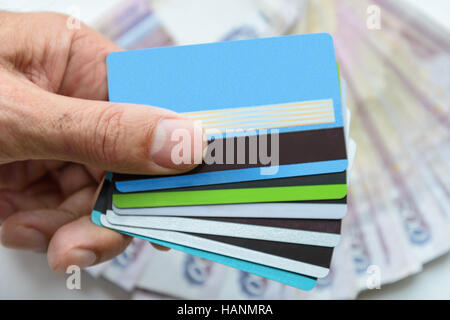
{"x":48,"y":195}
{"x":74,"y":68}
{"x":30,"y":186}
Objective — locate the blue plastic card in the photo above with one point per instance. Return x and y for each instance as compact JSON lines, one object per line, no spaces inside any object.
{"x":232,"y":76}
{"x":236,"y":88}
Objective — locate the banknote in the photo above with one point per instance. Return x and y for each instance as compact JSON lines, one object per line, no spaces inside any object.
{"x":424,"y":50}
{"x":177,"y":274}
{"x":402,"y":150}
{"x":133,"y":24}
{"x":408,"y":128}
{"x":136,"y":24}
{"x":423,"y":215}
{"x":125,"y":269}
{"x":246,"y":286}
{"x":181,"y":275}
{"x":97,"y":270}
{"x":421,"y":104}
{"x":340,"y":282}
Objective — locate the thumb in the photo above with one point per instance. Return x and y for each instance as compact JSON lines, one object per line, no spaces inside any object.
{"x":112,"y":136}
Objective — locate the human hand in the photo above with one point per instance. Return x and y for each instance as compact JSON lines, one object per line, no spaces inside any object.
{"x":57,"y":137}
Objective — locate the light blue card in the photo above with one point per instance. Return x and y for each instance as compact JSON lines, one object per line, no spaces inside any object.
{"x":290,"y":83}
{"x":210,"y":178}
{"x":231,"y":75}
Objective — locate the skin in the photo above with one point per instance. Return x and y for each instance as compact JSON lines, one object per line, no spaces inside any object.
{"x":58,"y":135}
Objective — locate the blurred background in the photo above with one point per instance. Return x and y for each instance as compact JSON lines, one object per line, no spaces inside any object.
{"x":395,"y":58}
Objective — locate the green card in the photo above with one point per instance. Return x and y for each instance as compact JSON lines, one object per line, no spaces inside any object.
{"x":228,"y":196}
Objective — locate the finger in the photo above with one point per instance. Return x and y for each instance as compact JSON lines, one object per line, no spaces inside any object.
{"x":47,"y":191}
{"x":46,"y":184}
{"x":19,"y":175}
{"x":14,"y":201}
{"x":70,"y":61}
{"x":85,"y":73}
{"x":44,"y":193}
{"x":72,"y":178}
{"x":116,"y":137}
{"x":83,"y":243}
{"x":33,"y":229}
{"x":97,"y":174}
{"x":67,"y":180}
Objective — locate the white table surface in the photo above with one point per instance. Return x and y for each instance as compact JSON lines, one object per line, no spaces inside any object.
{"x":25,"y":275}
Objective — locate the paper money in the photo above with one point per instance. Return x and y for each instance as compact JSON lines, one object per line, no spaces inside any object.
{"x":341,"y":281}
{"x":138,"y":24}
{"x":393,"y":123}
{"x":180,"y":275}
{"x":125,"y":269}
{"x":408,"y":120}
{"x":421,"y":104}
{"x":413,"y":187}
{"x":134,"y":25}
{"x":97,"y":270}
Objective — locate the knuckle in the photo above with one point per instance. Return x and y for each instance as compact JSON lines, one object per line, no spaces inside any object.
{"x":58,"y":19}
{"x":70,"y":215}
{"x":109,"y":128}
{"x":148,"y":130}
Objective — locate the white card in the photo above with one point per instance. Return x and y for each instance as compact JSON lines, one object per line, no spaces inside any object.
{"x":229,"y":229}
{"x":225,"y":249}
{"x":249,"y":210}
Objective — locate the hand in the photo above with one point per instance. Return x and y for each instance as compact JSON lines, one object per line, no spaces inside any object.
{"x":57,"y":137}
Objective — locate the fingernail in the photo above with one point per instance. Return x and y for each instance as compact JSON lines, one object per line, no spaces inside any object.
{"x":177,"y":143}
{"x":80,"y":257}
{"x":25,"y":238}
{"x":6,"y":209}
{"x":159,"y":247}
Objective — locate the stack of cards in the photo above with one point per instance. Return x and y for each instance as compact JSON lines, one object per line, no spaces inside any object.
{"x":271,"y":201}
